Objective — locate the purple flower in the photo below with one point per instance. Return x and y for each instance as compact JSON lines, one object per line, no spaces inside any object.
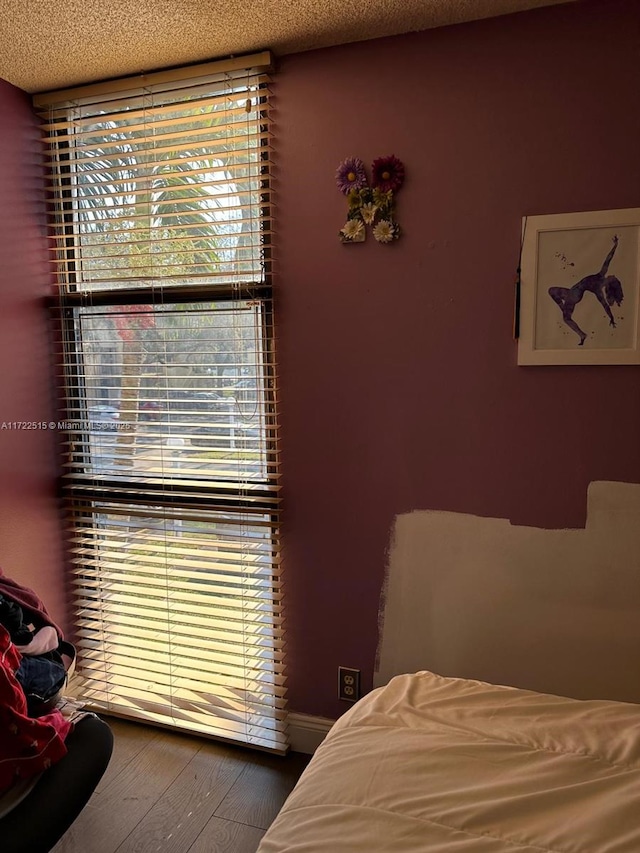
{"x":351,"y":175}
{"x":388,"y":173}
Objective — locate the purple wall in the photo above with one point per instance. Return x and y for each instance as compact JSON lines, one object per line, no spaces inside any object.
{"x":400,"y":388}
{"x":30,"y":545}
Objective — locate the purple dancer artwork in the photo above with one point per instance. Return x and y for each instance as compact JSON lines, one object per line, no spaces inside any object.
{"x":606,"y":288}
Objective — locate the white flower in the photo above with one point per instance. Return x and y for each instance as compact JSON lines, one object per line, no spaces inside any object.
{"x":353,"y":230}
{"x":368,"y":212}
{"x":385,"y":231}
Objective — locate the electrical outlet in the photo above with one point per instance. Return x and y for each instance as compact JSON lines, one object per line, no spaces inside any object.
{"x":348,"y":684}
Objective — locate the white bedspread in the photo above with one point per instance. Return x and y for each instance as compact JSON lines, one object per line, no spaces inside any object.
{"x":439,"y":765}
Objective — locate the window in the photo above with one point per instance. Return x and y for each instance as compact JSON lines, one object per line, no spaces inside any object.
{"x":161,"y":237}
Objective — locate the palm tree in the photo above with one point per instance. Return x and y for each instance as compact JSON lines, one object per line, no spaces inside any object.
{"x":154,"y":212}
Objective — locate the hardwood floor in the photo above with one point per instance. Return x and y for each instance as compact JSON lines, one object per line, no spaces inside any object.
{"x":165,"y":792}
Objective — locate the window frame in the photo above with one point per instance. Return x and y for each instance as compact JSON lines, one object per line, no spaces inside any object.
{"x":84,"y":489}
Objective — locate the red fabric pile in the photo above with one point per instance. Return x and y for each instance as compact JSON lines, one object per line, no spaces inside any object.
{"x":27,"y":746}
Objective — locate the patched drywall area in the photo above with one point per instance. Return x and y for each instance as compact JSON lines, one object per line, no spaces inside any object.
{"x":550,"y":610}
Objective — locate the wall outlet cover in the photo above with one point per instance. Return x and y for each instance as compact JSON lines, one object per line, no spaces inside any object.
{"x":348,"y":684}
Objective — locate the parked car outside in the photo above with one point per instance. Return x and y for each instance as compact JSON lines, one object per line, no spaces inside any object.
{"x":103,"y":419}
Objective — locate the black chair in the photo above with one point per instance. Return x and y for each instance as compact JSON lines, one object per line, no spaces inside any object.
{"x":38,"y":822}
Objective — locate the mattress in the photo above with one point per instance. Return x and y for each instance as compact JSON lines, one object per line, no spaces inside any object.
{"x":439,"y":765}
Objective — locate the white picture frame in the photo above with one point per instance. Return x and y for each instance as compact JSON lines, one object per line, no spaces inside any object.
{"x":580,"y":288}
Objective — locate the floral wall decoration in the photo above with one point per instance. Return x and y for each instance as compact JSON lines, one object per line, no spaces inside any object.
{"x":370,"y":204}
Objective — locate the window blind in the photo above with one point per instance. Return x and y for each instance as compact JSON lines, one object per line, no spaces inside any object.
{"x":161,"y":216}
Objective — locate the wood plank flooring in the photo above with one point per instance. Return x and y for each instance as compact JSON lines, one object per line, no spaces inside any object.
{"x":166,"y":792}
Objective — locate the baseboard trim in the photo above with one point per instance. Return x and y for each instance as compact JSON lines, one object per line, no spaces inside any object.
{"x":307,"y":732}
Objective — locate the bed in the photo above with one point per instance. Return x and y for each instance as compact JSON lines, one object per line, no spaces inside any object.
{"x":429,"y":764}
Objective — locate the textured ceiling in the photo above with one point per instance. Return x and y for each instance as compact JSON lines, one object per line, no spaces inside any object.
{"x":50,"y":44}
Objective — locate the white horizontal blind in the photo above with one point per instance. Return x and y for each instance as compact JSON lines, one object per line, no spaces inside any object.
{"x":180,"y":618}
{"x":165,"y":184}
{"x":161,"y":243}
{"x":183,"y":400}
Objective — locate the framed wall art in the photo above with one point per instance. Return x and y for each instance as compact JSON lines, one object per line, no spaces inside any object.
{"x":579,"y":288}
